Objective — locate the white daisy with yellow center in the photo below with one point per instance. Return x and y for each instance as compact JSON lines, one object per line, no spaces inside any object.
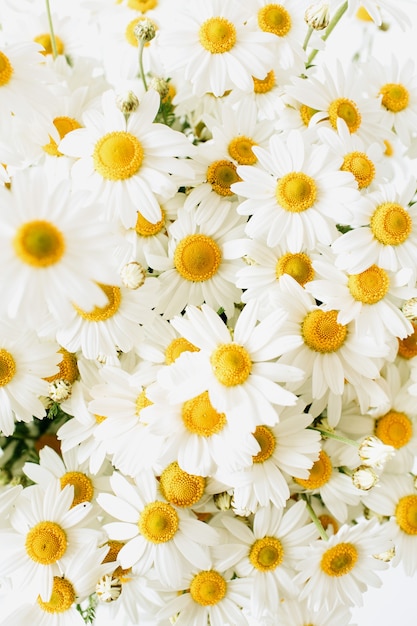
{"x":156,"y":532}
{"x":376,"y":8}
{"x":296,"y":194}
{"x":127,"y":161}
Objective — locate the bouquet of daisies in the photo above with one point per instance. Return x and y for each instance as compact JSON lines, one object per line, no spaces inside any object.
{"x":208,"y":312}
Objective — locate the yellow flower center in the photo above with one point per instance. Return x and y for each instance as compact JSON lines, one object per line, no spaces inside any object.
{"x":221,"y":175}
{"x":348,"y":111}
{"x":39,"y":243}
{"x":369,"y":286}
{"x":266,"y":554}
{"x":114,"y":549}
{"x":296,"y":192}
{"x":117,"y":155}
{"x":7,"y":367}
{"x":144,"y":228}
{"x":64,"y":125}
{"x":394,"y":429}
{"x":406,"y":514}
{"x":46,"y":543}
{"x":389,"y":150}
{"x":99,"y":418}
{"x":62,"y":598}
{"x":158,"y":522}
{"x":267,"y":442}
{"x":142,"y":401}
{"x":142,"y":5}
{"x":83,"y":487}
{"x":327,"y":520}
{"x":177,"y":347}
{"x":274,"y":18}
{"x":217,"y":35}
{"x":6,"y":69}
{"x":297,"y":265}
{"x":395,"y":97}
{"x":362,"y":14}
{"x":339,"y":560}
{"x":306,"y":113}
{"x":320,"y":473}
{"x":265,"y":84}
{"x":231,"y":364}
{"x":130,"y":31}
{"x":208,"y":588}
{"x":201,"y":418}
{"x":45,"y":40}
{"x":197,"y":258}
{"x":361,"y":166}
{"x":321,"y":331}
{"x":180,"y":488}
{"x":68,"y":368}
{"x":391,"y":224}
{"x":103,"y":313}
{"x":240,"y":149}
{"x":407,"y":348}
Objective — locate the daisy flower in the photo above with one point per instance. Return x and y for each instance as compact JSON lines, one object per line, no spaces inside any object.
{"x":235,"y":372}
{"x":376,"y":9}
{"x":45,"y":535}
{"x":52,"y":248}
{"x":339,"y":570}
{"x":156,"y":533}
{"x":296,"y":194}
{"x":125,"y":163}
{"x":219,"y":50}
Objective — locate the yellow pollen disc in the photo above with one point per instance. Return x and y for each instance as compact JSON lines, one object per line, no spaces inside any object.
{"x":208,"y":588}
{"x":348,"y":111}
{"x":180,"y":488}
{"x":274,"y":18}
{"x":130,"y":31}
{"x":201,"y":418}
{"x":158,"y":522}
{"x":395,"y":97}
{"x":217,"y":35}
{"x":339,"y":560}
{"x":320,"y":473}
{"x":197,"y":258}
{"x":114,"y":549}
{"x":361,"y":166}
{"x":389,"y":150}
{"x":142,"y":5}
{"x":221,"y":175}
{"x":391,"y":224}
{"x":362,"y":14}
{"x":45,"y":41}
{"x":7,"y":367}
{"x":306,"y":113}
{"x":297,"y":265}
{"x":103,"y":313}
{"x":117,"y":155}
{"x":99,"y":418}
{"x":266,"y":554}
{"x":141,"y":402}
{"x":62,"y":598}
{"x":296,"y":192}
{"x":39,"y":243}
{"x":68,"y":368}
{"x":406,"y":514}
{"x":264,"y":85}
{"x":46,"y":543}
{"x":407,"y":347}
{"x":321,"y":331}
{"x":231,"y":364}
{"x":83,"y":487}
{"x":328,"y":520}
{"x":267,"y":443}
{"x":369,"y":286}
{"x":240,"y":149}
{"x":64,"y":125}
{"x":177,"y":347}
{"x":144,"y":228}
{"x":394,"y":429}
{"x":6,"y":69}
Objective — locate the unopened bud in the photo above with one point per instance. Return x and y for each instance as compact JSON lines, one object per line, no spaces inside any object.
{"x":374,"y":453}
{"x":223,"y":501}
{"x":144,"y":30}
{"x":160,"y":85}
{"x":409,"y":308}
{"x":364,"y":478}
{"x":59,"y":390}
{"x":133,"y":275}
{"x":127,"y":102}
{"x":317,"y":15}
{"x":108,"y":588}
{"x":386,"y":556}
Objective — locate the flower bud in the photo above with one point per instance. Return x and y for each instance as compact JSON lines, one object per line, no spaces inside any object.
{"x":59,"y":390}
{"x":127,"y":102}
{"x":133,"y":275}
{"x":364,"y":478}
{"x":144,"y":30}
{"x":374,"y":453}
{"x":317,"y":15}
{"x":160,"y":85}
{"x":108,"y":588}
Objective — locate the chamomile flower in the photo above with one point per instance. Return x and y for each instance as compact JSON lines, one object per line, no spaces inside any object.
{"x":126,"y":163}
{"x":296,"y":194}
{"x":157,"y":534}
{"x":235,"y":372}
{"x":219,"y":50}
{"x":339,"y":570}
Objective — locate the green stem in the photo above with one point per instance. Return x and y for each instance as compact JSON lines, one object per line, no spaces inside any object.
{"x":314,"y":517}
{"x":51,"y":30}
{"x":330,"y":435}
{"x":333,"y":22}
{"x":307,"y":38}
{"x":141,"y":70}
